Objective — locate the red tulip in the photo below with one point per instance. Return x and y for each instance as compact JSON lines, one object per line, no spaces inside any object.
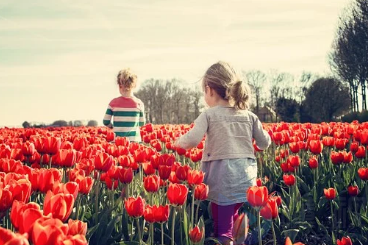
{"x":77,"y":227}
{"x":67,"y":188}
{"x":337,"y":157}
{"x":177,"y":194}
{"x":353,"y":190}
{"x":360,"y":153}
{"x":28,"y":148}
{"x":270,"y":210}
{"x":344,"y":241}
{"x":103,"y":162}
{"x":330,"y":193}
{"x":313,"y":162}
{"x":182,"y":172}
{"x":152,"y":183}
{"x":294,"y":147}
{"x":48,"y":231}
{"x":164,"y":171}
{"x":257,"y":196}
{"x":348,"y":157}
{"x":328,"y":141}
{"x":315,"y":146}
{"x":289,"y":179}
{"x":21,"y":218}
{"x":7,"y":237}
{"x":354,"y":146}
{"x":66,"y":158}
{"x":59,"y":205}
{"x":363,"y":173}
{"x":135,"y":206}
{"x":122,"y":141}
{"x":195,"y":177}
{"x":124,"y":175}
{"x":196,"y":234}
{"x":156,"y":214}
{"x":294,"y":160}
{"x":201,"y":191}
{"x":340,"y":143}
{"x":84,"y":184}
{"x":148,"y":168}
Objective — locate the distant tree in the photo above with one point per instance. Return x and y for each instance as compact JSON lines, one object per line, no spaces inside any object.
{"x":77,"y":123}
{"x":26,"y":124}
{"x":60,"y":123}
{"x":92,"y":123}
{"x":256,"y":80}
{"x":349,"y":55}
{"x":287,"y":109}
{"x":326,"y":99}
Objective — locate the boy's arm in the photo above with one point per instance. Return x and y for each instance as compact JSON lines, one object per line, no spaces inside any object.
{"x":107,"y":117}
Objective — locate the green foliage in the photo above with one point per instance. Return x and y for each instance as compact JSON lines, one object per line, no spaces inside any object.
{"x":358,"y":116}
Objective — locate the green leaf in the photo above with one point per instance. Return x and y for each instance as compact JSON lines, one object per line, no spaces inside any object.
{"x":108,"y":231}
{"x":292,"y":233}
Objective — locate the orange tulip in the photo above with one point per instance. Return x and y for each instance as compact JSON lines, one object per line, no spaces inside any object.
{"x":48,"y":231}
{"x":257,"y":196}
{"x":270,"y":210}
{"x":240,"y":228}
{"x":288,"y":242}
{"x":77,"y":227}
{"x":330,"y":193}
{"x":195,"y":177}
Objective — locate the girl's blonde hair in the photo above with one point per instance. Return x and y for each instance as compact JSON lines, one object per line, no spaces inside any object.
{"x":126,"y":78}
{"x":224,"y":79}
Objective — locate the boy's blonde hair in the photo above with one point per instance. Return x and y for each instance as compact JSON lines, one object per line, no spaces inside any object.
{"x":126,"y":78}
{"x":224,"y":79}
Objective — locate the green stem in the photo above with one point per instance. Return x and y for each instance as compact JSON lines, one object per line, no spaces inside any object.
{"x":162,"y":233}
{"x":97,"y":189}
{"x":152,"y":234}
{"x":173,"y":227}
{"x":273,"y":233}
{"x":196,"y":220}
{"x":259,"y":227}
{"x":192,"y":209}
{"x":139,"y":231}
{"x":332,"y":221}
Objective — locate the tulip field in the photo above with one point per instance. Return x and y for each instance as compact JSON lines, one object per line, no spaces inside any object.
{"x":82,"y":185}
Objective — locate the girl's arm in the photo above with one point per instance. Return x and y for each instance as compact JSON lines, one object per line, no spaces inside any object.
{"x":261,"y":136}
{"x":107,"y":117}
{"x":195,"y":135}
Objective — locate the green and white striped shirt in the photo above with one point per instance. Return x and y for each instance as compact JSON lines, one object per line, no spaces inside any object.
{"x":128,"y":115}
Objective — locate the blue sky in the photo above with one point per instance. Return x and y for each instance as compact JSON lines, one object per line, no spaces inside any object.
{"x":59,"y":58}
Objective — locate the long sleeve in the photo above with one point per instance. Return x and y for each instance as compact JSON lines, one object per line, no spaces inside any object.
{"x":195,"y":135}
{"x":261,"y":136}
{"x":107,"y":117}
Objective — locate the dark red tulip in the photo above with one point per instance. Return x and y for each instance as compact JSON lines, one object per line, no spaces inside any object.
{"x":354,"y":146}
{"x":353,"y":190}
{"x":164,"y":171}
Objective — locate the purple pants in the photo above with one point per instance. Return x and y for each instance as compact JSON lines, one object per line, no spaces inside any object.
{"x":224,"y":218}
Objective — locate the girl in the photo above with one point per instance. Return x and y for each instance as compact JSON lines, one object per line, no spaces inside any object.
{"x":228,"y":158}
{"x":128,"y":110}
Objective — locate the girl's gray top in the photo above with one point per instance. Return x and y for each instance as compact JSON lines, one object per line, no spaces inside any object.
{"x":228,"y":159}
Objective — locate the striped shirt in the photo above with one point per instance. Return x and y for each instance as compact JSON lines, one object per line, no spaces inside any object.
{"x":128,"y":113}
